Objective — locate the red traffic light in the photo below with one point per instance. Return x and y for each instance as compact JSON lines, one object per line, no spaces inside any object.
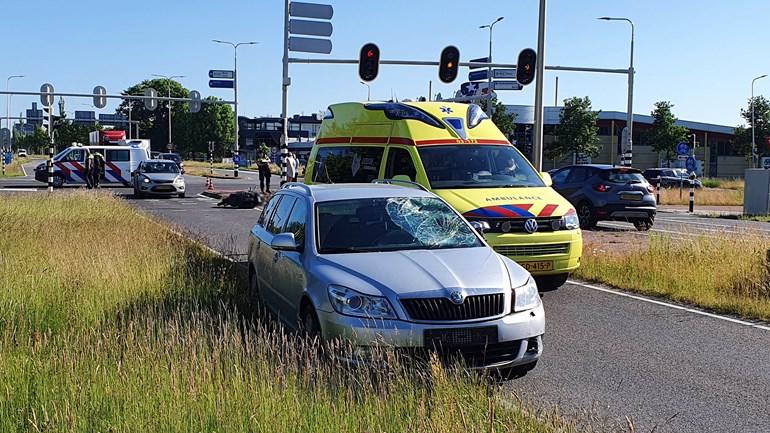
{"x":369,"y":62}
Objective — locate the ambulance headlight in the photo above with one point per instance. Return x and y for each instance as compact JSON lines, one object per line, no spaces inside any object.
{"x":570,"y":221}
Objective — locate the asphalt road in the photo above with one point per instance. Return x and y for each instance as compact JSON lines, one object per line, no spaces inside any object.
{"x":608,"y":355}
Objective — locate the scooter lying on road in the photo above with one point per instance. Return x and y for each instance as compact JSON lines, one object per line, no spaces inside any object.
{"x":242,"y":199}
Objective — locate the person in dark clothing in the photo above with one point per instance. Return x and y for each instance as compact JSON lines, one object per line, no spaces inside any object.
{"x":97,"y":168}
{"x":263,"y":165}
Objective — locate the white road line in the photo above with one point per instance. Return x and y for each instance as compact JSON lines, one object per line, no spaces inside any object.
{"x":674,"y":306}
{"x":22,"y":189}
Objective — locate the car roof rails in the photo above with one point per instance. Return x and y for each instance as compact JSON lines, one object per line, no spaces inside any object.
{"x":401,"y":181}
{"x":307,"y":189}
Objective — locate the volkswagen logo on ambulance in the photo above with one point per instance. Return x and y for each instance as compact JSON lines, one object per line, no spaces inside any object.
{"x":530,"y":225}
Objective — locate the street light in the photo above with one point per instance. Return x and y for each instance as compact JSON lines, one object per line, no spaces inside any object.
{"x":169,"y":104}
{"x":368,"y":90}
{"x":235,"y":88}
{"x":753,"y":145}
{"x":8,"y":103}
{"x":630,"y":113}
{"x":489,"y":72}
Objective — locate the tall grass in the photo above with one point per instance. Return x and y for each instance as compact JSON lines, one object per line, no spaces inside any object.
{"x":14,"y":168}
{"x":703,"y":196}
{"x":108,"y":322}
{"x":724,"y":273}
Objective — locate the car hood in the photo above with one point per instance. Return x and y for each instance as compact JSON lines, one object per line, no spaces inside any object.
{"x":412,"y":272}
{"x":160,"y":176}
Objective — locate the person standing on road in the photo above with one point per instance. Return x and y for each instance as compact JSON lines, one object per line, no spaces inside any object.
{"x":263,"y":165}
{"x":90,"y":170}
{"x":291,"y":168}
{"x":97,"y":168}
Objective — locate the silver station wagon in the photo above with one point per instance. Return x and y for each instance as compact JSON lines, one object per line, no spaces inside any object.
{"x":384,"y":264}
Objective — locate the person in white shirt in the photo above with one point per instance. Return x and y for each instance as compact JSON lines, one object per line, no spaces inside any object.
{"x":292,"y":166}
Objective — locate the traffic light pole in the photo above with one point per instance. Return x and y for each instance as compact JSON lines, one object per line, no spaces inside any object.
{"x":285,"y":96}
{"x":50,"y":149}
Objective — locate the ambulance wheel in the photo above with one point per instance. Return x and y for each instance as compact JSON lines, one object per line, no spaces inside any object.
{"x":58,"y":180}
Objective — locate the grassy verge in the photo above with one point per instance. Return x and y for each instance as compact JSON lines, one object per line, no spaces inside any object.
{"x":108,"y":322}
{"x":196,"y":170}
{"x":14,"y":168}
{"x":703,"y":196}
{"x":727,"y":274}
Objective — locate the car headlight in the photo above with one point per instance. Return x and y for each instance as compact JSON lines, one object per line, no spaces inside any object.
{"x":570,"y":221}
{"x":526,"y":297}
{"x":179,"y":179}
{"x":146,"y":180}
{"x":349,"y":302}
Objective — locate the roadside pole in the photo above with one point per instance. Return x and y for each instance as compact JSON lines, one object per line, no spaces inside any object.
{"x":50,"y":149}
{"x":211,"y":158}
{"x":692,"y":194}
{"x":657,"y":190}
{"x":2,"y":155}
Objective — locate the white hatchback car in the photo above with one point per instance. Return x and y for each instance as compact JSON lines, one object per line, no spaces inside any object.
{"x":381,"y":264}
{"x":21,"y":153}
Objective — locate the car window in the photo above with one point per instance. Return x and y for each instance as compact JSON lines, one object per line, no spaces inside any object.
{"x":281,"y":215}
{"x":117,"y":155}
{"x":561,"y":176}
{"x":268,"y":210}
{"x":622,"y":175}
{"x":296,"y":222}
{"x":578,"y":174}
{"x":75,"y":155}
{"x":348,"y":164}
{"x":400,"y":163}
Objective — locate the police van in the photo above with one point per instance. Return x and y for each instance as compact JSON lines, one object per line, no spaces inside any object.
{"x":119,"y":162}
{"x":455,"y":151}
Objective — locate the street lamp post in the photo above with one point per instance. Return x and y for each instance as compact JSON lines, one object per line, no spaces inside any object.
{"x":368,"y":90}
{"x":489,"y":71}
{"x":235,"y":88}
{"x":170,"y":147}
{"x":753,"y":144}
{"x":8,"y":103}
{"x":628,"y":154}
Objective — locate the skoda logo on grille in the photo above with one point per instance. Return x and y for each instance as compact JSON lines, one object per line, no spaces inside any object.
{"x":456,"y":297}
{"x":530,"y":225}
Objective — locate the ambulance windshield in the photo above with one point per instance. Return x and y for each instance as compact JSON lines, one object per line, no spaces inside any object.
{"x":477,"y":166}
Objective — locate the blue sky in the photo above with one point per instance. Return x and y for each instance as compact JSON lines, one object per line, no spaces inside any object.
{"x":700,"y":56}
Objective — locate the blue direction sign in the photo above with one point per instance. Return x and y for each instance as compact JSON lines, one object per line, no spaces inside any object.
{"x":214,"y":73}
{"x":682,"y":148}
{"x":236,"y":159}
{"x":223,"y":84}
{"x":689,"y":164}
{"x":478,"y":75}
{"x":507,"y":85}
{"x":479,"y":60}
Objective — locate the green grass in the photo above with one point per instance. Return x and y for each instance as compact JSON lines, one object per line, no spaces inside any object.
{"x":14,"y":168}
{"x":703,"y":196}
{"x":727,"y":274}
{"x":109,"y":322}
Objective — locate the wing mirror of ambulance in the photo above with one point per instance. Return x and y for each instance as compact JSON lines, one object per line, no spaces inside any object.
{"x":546,"y":178}
{"x":480,"y":226}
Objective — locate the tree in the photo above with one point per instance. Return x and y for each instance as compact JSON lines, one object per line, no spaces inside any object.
{"x":505,"y":121}
{"x":37,"y":142}
{"x":70,"y":132}
{"x":664,"y":134}
{"x":576,"y":131}
{"x":742,"y":142}
{"x":214,"y":122}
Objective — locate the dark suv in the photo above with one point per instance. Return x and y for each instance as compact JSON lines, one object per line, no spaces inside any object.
{"x":670,"y":177}
{"x":607,"y":192}
{"x":174,"y":157}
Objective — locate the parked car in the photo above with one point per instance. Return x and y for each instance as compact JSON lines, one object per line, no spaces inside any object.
{"x":155,"y":155}
{"x":158,"y":177}
{"x":21,"y":153}
{"x":174,"y":157}
{"x":607,"y":192}
{"x":396,"y":266}
{"x":670,"y":177}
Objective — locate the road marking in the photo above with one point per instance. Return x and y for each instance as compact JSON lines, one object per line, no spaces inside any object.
{"x":674,"y":306}
{"x":21,"y":189}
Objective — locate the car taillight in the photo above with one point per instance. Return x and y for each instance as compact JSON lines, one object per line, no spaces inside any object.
{"x":650,"y":188}
{"x":601,"y":187}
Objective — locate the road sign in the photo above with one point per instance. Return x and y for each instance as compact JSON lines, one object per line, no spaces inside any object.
{"x":195,"y":101}
{"x":236,"y":159}
{"x":312,"y":28}
{"x":152,"y":102}
{"x":216,"y":73}
{"x":507,"y":85}
{"x":473,"y":89}
{"x":765,"y":162}
{"x":479,"y":60}
{"x":478,"y":75}
{"x":504,"y":73}
{"x":310,"y":45}
{"x":170,"y":146}
{"x":100,"y":101}
{"x":682,"y":148}
{"x":222,"y":84}
{"x":690,"y":164}
{"x":311,"y":10}
{"x":682,"y":157}
{"x":47,"y":98}
{"x":5,"y":137}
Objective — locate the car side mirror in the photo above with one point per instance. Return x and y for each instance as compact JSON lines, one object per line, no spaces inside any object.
{"x":546,"y":178}
{"x":284,"y":242}
{"x":480,"y":226}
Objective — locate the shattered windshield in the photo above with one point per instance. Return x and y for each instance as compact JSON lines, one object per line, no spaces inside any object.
{"x":477,"y":166}
{"x":389,"y":224}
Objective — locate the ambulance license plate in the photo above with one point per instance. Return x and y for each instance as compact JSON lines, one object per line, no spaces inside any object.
{"x":543,"y":265}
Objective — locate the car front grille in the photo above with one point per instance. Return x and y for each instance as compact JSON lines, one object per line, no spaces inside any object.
{"x":532,"y":250}
{"x":442,"y":309}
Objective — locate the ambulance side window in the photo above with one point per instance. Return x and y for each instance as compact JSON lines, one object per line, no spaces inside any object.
{"x":400,"y":163}
{"x":348,"y":164}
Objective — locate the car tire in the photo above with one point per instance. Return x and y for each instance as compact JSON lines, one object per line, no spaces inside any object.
{"x":254,"y":297}
{"x":181,"y":195}
{"x":58,"y":180}
{"x":309,"y":326}
{"x":643,"y":225}
{"x":517,"y":371}
{"x":546,"y":283}
{"x":586,"y":215}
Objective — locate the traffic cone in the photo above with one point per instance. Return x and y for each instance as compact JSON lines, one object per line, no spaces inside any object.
{"x":210,"y":184}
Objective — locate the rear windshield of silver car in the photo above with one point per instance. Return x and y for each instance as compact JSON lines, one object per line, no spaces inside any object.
{"x":622,"y":175}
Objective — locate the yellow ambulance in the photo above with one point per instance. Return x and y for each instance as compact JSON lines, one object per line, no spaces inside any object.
{"x":456,"y":152}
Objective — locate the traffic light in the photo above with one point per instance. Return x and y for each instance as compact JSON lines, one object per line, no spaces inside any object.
{"x":46,"y":113}
{"x":369,"y":62}
{"x":449,"y":64}
{"x":525,"y":67}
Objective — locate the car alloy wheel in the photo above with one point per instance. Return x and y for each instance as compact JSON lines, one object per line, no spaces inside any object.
{"x":586,"y":216}
{"x":58,"y":181}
